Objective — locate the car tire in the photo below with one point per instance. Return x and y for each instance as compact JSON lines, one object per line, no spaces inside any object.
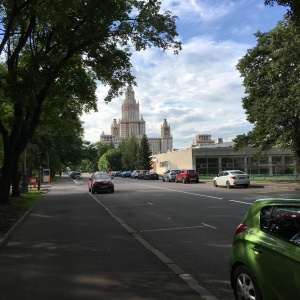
{"x":245,"y":285}
{"x":228,"y":184}
{"x":163,"y":179}
{"x":183,"y":180}
{"x":215,"y":184}
{"x":112,"y":191}
{"x":246,"y":185}
{"x":169,"y":180}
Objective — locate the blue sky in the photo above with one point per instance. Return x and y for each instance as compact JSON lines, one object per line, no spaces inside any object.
{"x":198,"y":91}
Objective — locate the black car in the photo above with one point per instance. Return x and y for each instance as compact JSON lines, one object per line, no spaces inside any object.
{"x":151,"y":175}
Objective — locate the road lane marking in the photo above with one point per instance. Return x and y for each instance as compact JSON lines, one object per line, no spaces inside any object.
{"x":240,"y":202}
{"x":134,"y":204}
{"x":177,"y":228}
{"x":184,"y":192}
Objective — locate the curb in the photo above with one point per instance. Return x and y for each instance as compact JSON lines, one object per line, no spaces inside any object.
{"x":10,"y":232}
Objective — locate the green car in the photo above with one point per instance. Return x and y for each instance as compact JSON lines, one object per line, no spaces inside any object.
{"x":265,"y":255}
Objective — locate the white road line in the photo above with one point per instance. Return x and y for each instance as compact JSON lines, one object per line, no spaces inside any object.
{"x":174,"y":228}
{"x":240,"y":202}
{"x":195,"y":194}
{"x":209,"y":226}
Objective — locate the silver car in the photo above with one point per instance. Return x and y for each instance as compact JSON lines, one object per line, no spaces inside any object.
{"x":170,"y":175}
{"x":231,"y":178}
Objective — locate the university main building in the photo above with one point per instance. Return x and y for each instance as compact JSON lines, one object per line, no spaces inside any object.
{"x":132,"y":123}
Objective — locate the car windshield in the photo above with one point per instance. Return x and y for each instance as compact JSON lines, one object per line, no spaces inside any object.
{"x":101,"y":176}
{"x":191,"y":171}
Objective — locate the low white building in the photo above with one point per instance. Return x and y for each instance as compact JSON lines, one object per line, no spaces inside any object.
{"x":214,"y":158}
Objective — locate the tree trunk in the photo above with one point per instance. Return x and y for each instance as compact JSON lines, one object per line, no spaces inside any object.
{"x":6,"y":179}
{"x":15,"y":192}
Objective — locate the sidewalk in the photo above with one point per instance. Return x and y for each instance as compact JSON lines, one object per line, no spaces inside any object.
{"x":70,"y":247}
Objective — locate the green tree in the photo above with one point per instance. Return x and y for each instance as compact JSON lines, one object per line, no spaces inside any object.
{"x":129,"y":151}
{"x":143,"y":155}
{"x":111,"y":160}
{"x":271,"y":73}
{"x":54,"y":47}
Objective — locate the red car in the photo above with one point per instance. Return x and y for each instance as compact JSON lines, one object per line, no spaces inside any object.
{"x":187,"y":176}
{"x":101,"y":181}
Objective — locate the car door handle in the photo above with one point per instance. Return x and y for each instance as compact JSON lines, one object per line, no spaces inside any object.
{"x":256,"y":249}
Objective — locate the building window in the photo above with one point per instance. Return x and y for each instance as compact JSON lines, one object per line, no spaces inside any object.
{"x":163,"y":164}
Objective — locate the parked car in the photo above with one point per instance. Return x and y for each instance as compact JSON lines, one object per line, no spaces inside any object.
{"x":142,"y":174}
{"x":115,"y":173}
{"x":187,"y":176}
{"x":231,"y":178}
{"x":71,"y":173}
{"x":101,"y":181}
{"x":151,"y":175}
{"x":265,"y":255}
{"x":170,"y":175}
{"x":135,"y":174}
{"x":77,"y":175}
{"x":126,"y":174}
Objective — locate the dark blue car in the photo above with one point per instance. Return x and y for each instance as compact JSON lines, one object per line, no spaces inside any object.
{"x":126,"y":174}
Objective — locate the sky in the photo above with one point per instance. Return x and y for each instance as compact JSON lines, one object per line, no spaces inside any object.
{"x":198,"y":91}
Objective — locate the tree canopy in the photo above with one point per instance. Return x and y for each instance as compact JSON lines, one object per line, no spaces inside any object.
{"x":54,"y":51}
{"x":271,"y":73}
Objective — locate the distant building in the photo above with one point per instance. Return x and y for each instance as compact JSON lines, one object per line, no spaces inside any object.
{"x":132,"y":123}
{"x":205,"y":140}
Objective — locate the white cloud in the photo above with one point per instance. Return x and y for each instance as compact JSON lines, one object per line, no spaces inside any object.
{"x":199,"y":90}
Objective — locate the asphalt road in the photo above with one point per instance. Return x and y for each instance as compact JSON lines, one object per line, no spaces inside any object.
{"x":192,"y":224}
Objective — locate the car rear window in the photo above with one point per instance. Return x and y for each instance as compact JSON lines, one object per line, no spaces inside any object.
{"x":237,"y":172}
{"x":191,"y":171}
{"x":101,"y":176}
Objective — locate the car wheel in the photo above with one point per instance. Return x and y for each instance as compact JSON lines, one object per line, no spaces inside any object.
{"x":215,"y":184}
{"x":246,"y":185}
{"x":169,"y":180}
{"x":228,"y":184}
{"x":163,"y":179}
{"x":112,"y":190}
{"x":245,"y":285}
{"x":183,"y":180}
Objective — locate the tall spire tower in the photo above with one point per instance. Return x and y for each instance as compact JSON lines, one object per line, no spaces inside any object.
{"x":131,"y":122}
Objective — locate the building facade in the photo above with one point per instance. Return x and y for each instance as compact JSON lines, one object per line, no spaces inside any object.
{"x":211,"y":159}
{"x":132,"y":123}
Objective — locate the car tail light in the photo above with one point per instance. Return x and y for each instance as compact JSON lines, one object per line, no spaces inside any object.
{"x":232,"y":177}
{"x":240,"y":228}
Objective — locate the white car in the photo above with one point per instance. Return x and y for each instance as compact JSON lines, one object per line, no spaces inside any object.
{"x":231,"y":178}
